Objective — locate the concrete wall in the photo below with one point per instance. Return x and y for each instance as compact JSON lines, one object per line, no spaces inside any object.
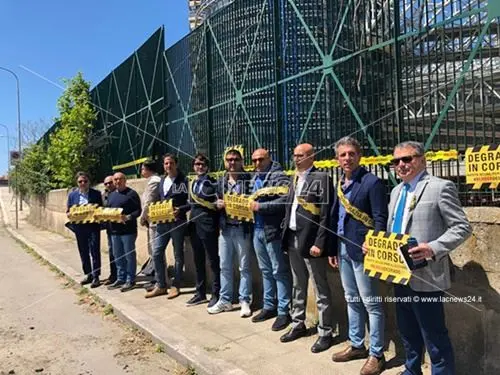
{"x":474,"y":327}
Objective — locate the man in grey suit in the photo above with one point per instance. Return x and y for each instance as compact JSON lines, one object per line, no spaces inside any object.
{"x":428,"y":209}
{"x":151,"y":194}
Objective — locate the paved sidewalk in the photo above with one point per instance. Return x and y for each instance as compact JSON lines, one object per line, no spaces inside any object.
{"x":219,"y":344}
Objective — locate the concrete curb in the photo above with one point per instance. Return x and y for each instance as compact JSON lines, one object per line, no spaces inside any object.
{"x":176,"y":346}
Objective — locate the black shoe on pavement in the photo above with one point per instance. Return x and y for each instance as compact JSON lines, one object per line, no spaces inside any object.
{"x":127,"y":286}
{"x":294,"y":333}
{"x":213,"y":301}
{"x":281,"y":322}
{"x":95,"y":283}
{"x":117,"y":284}
{"x":322,"y":343}
{"x":110,"y":280}
{"x":150,"y":286}
{"x":196,"y":300}
{"x":86,"y":280}
{"x":264,"y":315}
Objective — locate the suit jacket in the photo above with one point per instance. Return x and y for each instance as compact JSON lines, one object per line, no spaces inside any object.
{"x":151,"y":194}
{"x":311,"y":229}
{"x":204,"y":219}
{"x":439,"y":220}
{"x":368,"y":194}
{"x":74,"y":199}
{"x":178,"y":193}
{"x":272,"y":207}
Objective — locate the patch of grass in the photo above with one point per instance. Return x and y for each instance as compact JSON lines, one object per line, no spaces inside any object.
{"x":108,"y":309}
{"x":159,"y":348}
{"x":83,"y":291}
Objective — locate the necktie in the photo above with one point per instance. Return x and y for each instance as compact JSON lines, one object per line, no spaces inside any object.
{"x":397,"y":224}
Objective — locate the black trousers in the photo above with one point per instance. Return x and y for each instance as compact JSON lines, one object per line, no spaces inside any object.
{"x":89,"y":247}
{"x":205,"y":242}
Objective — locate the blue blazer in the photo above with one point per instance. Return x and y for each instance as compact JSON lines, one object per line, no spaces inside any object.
{"x":368,"y":194}
{"x":95,"y":197}
{"x":178,"y":193}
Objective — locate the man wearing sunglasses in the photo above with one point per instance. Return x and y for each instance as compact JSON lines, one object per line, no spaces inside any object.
{"x":269,"y":211}
{"x":234,"y":240}
{"x":88,"y":236}
{"x":360,"y":204}
{"x":428,"y":209}
{"x":109,"y":187}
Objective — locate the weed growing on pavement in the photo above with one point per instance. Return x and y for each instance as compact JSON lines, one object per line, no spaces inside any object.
{"x":159,"y":348}
{"x":108,"y":310}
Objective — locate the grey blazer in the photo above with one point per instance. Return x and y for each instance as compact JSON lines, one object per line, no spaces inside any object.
{"x":151,"y":194}
{"x":439,"y":220}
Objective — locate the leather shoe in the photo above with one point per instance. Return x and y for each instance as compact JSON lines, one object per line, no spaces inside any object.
{"x":127,"y":286}
{"x":322,"y":343}
{"x":281,"y":322}
{"x":350,"y":353}
{"x":213,"y":301}
{"x":117,"y":284}
{"x":86,"y":280}
{"x":196,"y":300}
{"x":156,"y":291}
{"x":109,"y":281}
{"x":173,"y":292}
{"x":294,"y":334}
{"x":264,"y":315}
{"x":95,"y":283}
{"x":373,"y":366}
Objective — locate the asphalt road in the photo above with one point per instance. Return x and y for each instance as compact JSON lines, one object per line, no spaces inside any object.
{"x":49,"y":327}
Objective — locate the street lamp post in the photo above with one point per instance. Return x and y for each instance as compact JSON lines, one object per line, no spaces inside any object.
{"x":18,"y":139}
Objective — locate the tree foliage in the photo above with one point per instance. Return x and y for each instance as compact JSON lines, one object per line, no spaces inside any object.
{"x":53,"y":162}
{"x":69,"y":149}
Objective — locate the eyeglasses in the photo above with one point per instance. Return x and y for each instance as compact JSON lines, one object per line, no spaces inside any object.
{"x":258,"y":160}
{"x":83,"y":181}
{"x":232,"y":159}
{"x":404,"y":159}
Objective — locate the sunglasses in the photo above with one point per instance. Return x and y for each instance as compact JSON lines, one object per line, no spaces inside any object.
{"x":83,"y":181}
{"x":232,"y":159}
{"x":404,"y":159}
{"x":258,"y":160}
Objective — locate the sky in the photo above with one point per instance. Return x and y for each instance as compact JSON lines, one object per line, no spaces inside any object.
{"x":46,"y":41}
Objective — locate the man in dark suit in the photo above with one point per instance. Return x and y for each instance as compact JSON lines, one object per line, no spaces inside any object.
{"x":88,"y":236}
{"x":204,"y":231}
{"x":360,"y":204}
{"x":305,"y":237}
{"x":173,"y":186}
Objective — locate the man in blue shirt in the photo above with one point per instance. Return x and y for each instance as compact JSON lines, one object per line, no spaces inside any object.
{"x":360,"y":204}
{"x":269,"y":211}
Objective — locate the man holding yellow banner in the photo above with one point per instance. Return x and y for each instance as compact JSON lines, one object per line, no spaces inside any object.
{"x":235,"y":237}
{"x":360,"y":204}
{"x":428,"y":209}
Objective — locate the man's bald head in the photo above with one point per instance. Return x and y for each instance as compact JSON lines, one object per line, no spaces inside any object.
{"x":303,"y":156}
{"x":261,"y":159}
{"x":109,"y":184}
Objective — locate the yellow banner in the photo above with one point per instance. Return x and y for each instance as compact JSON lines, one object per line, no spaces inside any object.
{"x":82,"y":213}
{"x":129,"y":164}
{"x":482,"y":166}
{"x":384,"y":260}
{"x":107,"y":214}
{"x":161,"y":212}
{"x":238,"y":207}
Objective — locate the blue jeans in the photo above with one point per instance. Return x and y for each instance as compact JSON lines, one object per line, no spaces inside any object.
{"x":164,"y":232}
{"x":125,"y":256}
{"x":423,"y":323}
{"x":233,"y":241}
{"x":275,"y":268}
{"x":112,"y":264}
{"x":361,"y":293}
